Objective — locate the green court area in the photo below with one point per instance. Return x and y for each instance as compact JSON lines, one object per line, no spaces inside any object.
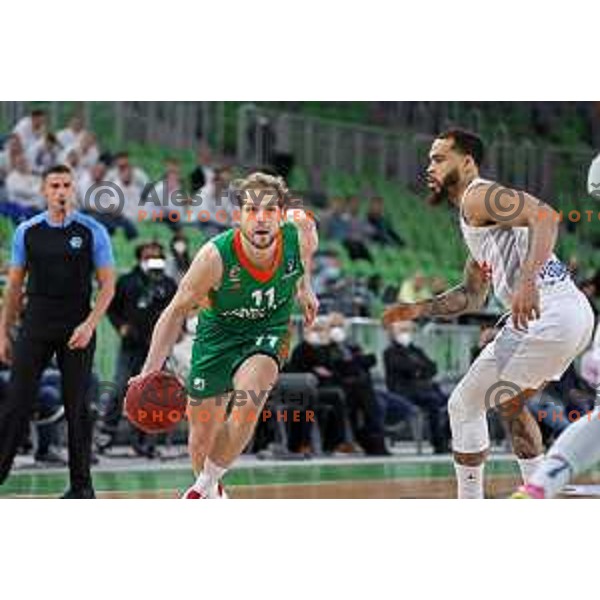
{"x":142,"y":481}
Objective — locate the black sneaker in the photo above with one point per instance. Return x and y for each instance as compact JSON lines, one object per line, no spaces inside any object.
{"x":81,"y":494}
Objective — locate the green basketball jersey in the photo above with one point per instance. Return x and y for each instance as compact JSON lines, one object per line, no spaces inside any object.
{"x":249,"y":299}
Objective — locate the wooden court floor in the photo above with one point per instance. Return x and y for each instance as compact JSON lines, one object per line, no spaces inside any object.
{"x":420,"y":479}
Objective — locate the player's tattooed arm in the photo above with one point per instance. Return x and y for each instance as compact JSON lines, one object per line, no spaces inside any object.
{"x":204,"y":274}
{"x":467,"y":297}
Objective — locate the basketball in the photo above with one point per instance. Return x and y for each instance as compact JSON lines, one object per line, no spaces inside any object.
{"x":157,"y":403}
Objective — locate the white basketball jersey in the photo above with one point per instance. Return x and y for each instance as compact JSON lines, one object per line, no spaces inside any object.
{"x":504,"y":250}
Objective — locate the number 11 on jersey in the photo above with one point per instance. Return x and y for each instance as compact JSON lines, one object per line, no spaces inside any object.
{"x":258,"y":296}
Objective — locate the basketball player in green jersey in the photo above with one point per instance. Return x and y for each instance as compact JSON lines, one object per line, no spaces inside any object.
{"x":244,"y":281}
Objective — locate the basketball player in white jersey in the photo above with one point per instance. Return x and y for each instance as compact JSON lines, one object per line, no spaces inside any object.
{"x":511,"y":237}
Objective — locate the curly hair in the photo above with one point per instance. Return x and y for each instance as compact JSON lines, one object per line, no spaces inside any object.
{"x":262,"y":182}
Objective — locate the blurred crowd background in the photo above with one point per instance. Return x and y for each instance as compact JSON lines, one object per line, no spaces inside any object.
{"x":358,"y":166}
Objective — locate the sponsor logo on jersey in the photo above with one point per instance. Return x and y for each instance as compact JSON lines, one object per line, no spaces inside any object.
{"x":198,"y":383}
{"x":76,"y":242}
{"x":246,"y":313}
{"x":290,"y":269}
{"x":291,"y":266}
{"x":554,"y":270}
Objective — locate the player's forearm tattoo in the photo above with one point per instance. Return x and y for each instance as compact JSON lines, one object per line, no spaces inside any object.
{"x":467,"y":297}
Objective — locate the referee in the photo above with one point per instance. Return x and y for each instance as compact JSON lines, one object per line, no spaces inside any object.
{"x":59,"y":251}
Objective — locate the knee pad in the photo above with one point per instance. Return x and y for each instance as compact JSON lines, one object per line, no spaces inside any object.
{"x":468,"y":424}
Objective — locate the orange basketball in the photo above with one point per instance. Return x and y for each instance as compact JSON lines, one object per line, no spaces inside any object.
{"x":156,"y":403}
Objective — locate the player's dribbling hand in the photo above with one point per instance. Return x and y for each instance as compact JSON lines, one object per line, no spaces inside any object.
{"x":81,"y":336}
{"x":137,"y":378}
{"x":525,"y":303}
{"x":310,"y":306}
{"x":5,"y":349}
{"x":403,"y":311}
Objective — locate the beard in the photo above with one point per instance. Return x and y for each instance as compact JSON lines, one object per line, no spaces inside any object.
{"x":443,"y":194}
{"x":260,"y":241}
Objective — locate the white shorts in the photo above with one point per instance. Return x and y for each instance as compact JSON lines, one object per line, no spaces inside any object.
{"x":516,"y":361}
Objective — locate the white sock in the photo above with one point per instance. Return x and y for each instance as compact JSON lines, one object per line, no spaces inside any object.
{"x":470,"y":481}
{"x":528,"y":466}
{"x":210,"y":475}
{"x":576,"y":450}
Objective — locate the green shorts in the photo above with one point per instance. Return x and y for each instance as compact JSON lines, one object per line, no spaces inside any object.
{"x":216,"y":357}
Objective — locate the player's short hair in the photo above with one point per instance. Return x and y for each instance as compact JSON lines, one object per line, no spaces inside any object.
{"x":260,"y":181}
{"x":38,"y":112}
{"x":57,"y":170}
{"x":466,"y":142}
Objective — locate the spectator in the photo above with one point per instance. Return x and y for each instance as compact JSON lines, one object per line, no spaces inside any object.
{"x":179,"y":260}
{"x":8,"y":157}
{"x":327,"y":271}
{"x":132,"y":182}
{"x":31,"y":129}
{"x":72,"y":160}
{"x":169,"y":196}
{"x":225,"y":211}
{"x":335,"y":220}
{"x":358,"y":231}
{"x":45,"y":153}
{"x":410,"y":372}
{"x":309,"y":356}
{"x":71,"y":135}
{"x":24,"y":188}
{"x":203,"y":173}
{"x":562,"y":402}
{"x":351,"y":371}
{"x":382,"y":229}
{"x":141,"y":296}
{"x":47,"y":413}
{"x":89,"y":154}
{"x":415,"y":289}
{"x":100,"y":201}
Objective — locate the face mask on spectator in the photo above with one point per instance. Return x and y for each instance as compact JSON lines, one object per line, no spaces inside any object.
{"x":153,"y":265}
{"x":338,"y":335}
{"x":180,"y":247}
{"x":313,"y":338}
{"x":331,"y":273}
{"x":404,"y":338}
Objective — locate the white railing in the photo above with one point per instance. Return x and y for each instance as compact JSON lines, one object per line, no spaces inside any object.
{"x":552,"y":172}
